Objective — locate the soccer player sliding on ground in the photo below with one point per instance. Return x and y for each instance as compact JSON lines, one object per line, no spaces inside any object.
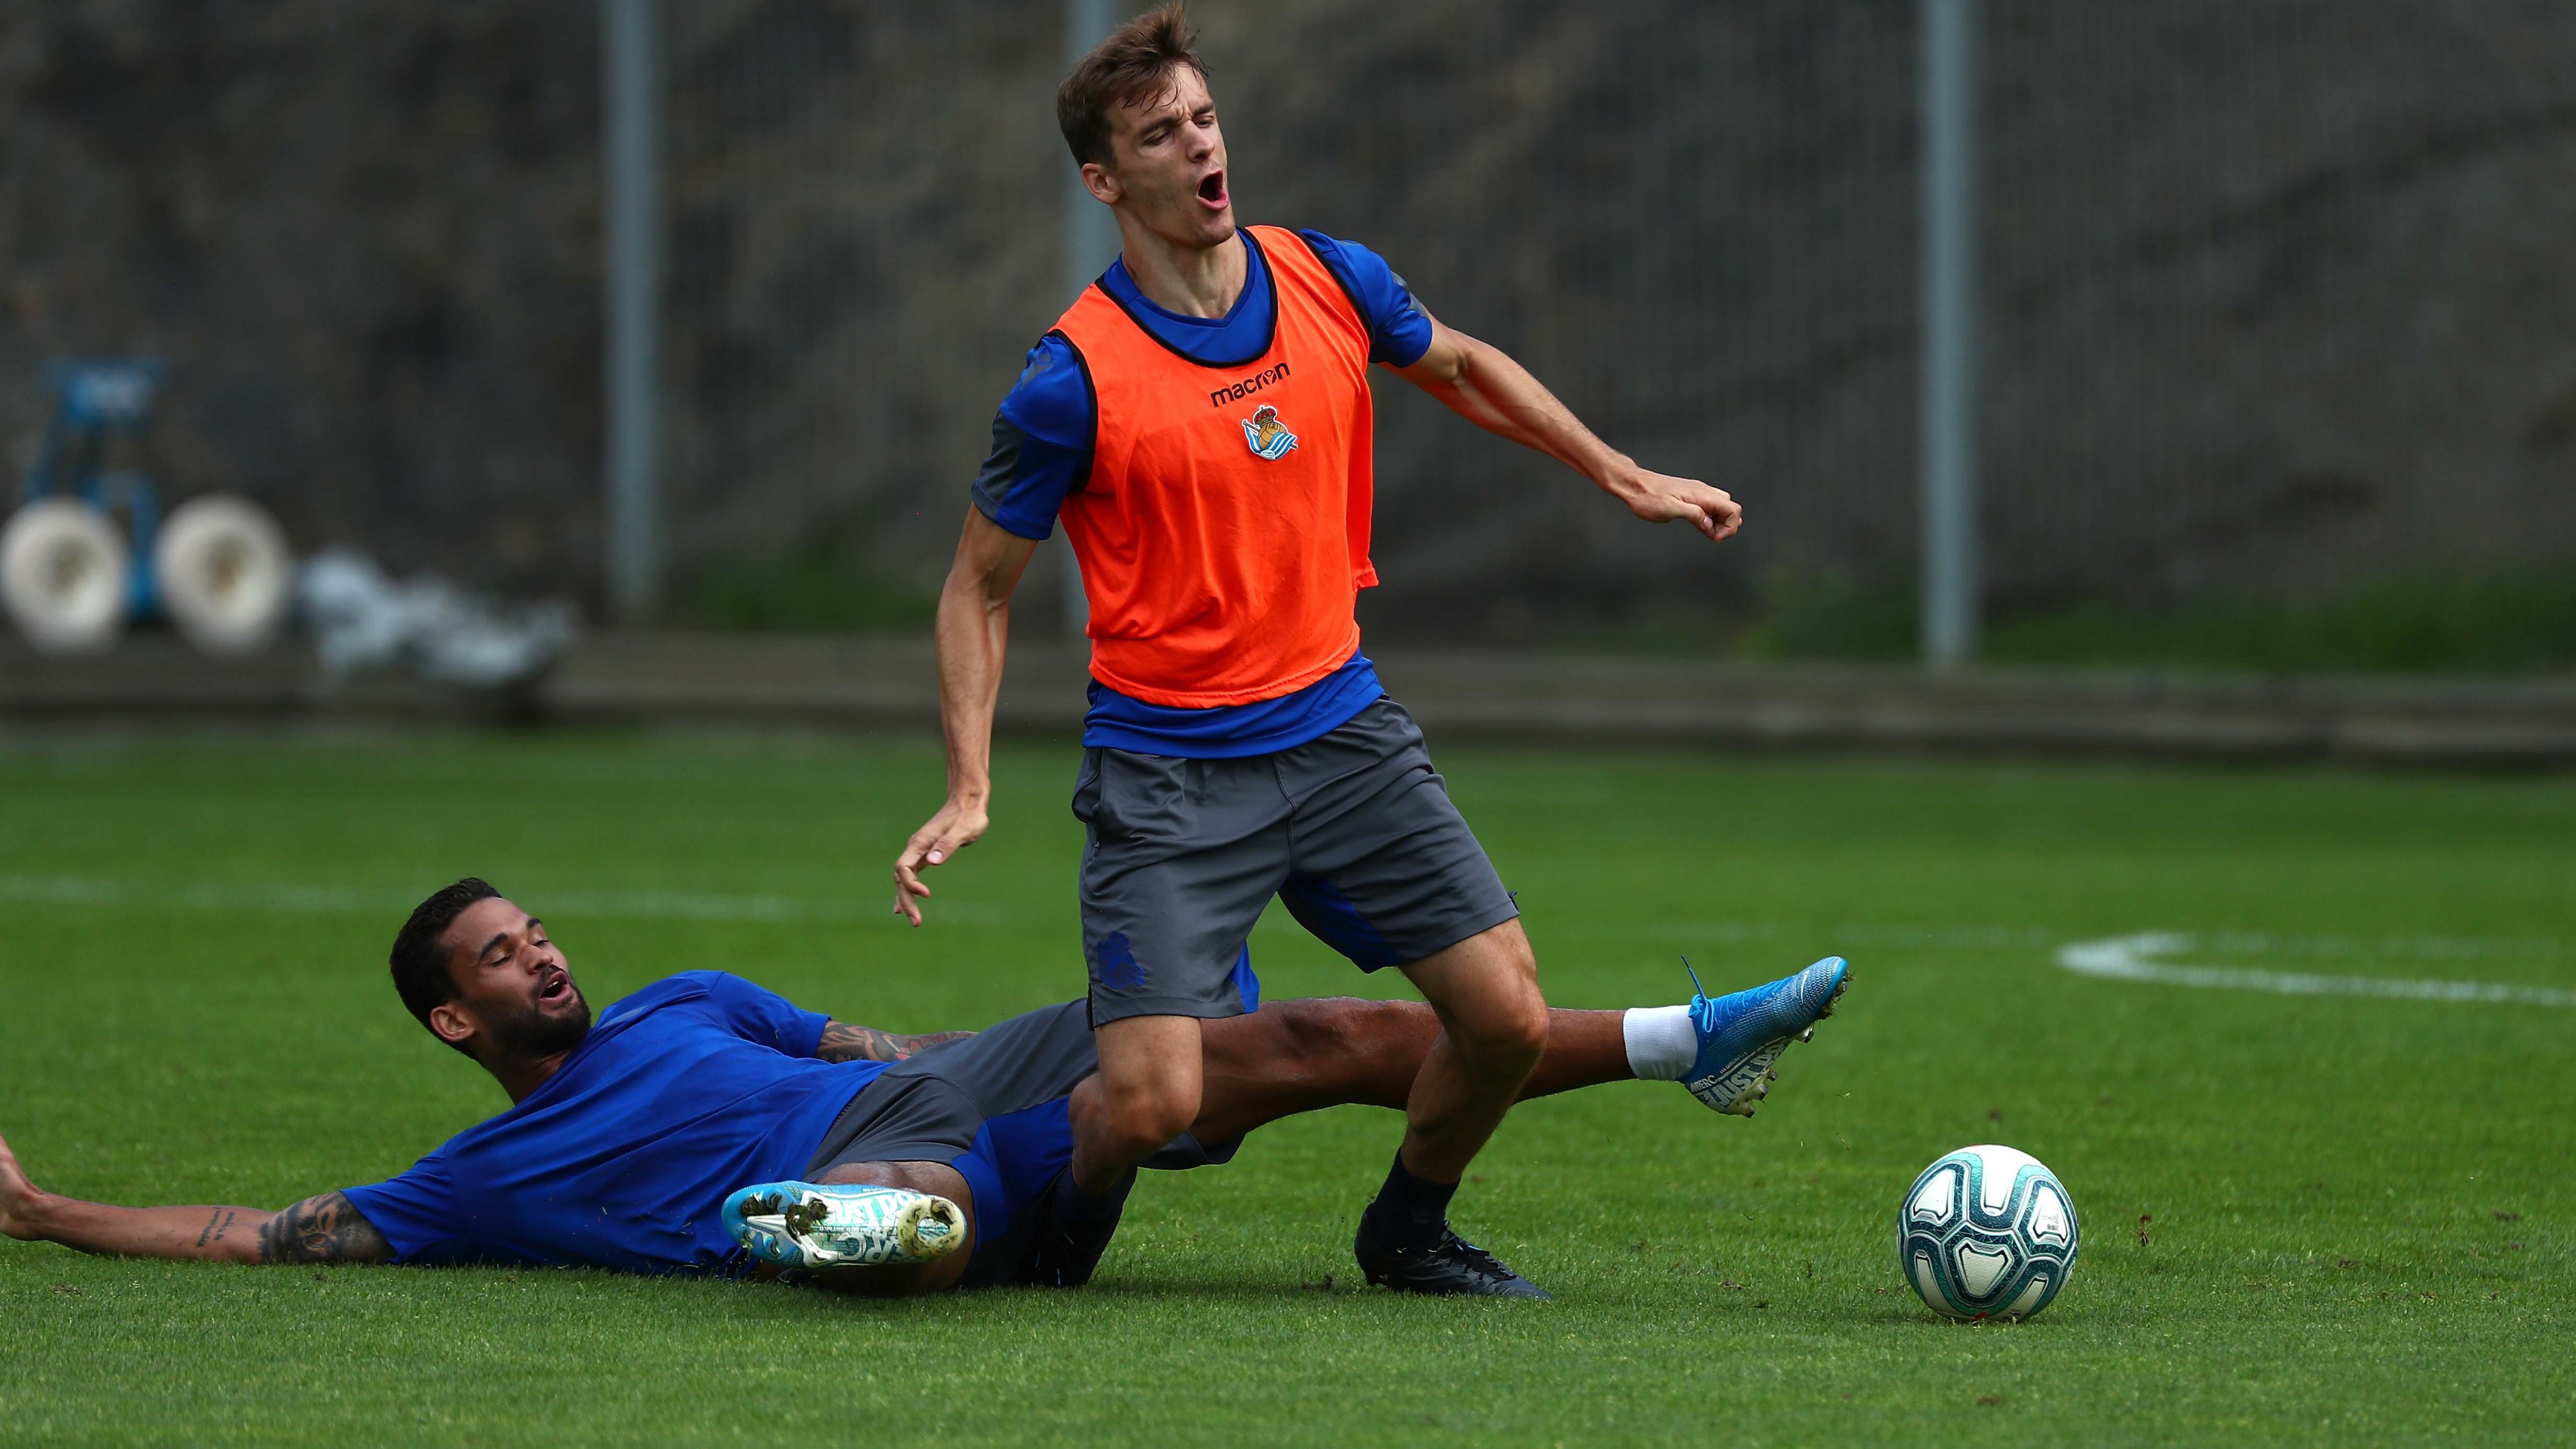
{"x":1200,"y":420}
{"x":706,"y":1125}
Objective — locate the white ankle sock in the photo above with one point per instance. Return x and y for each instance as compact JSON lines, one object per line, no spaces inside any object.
{"x":1661,"y":1041}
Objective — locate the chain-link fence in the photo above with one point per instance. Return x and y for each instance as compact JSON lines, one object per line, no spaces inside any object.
{"x":1694,"y":225}
{"x":2260,"y":282}
{"x":2275,"y":311}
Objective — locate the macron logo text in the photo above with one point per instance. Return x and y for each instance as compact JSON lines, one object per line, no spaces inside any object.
{"x":1236,"y":392}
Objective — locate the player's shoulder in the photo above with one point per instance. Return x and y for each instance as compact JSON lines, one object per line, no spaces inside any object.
{"x":1363,"y":275}
{"x":1052,"y":397}
{"x":1354,"y":259}
{"x":723,"y":985}
{"x":669,"y":991}
{"x":1398,"y":330}
{"x":725,"y":990}
{"x":1315,"y":240}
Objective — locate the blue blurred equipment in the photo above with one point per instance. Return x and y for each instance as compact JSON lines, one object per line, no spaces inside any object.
{"x":100,"y":403}
{"x":218,"y":566}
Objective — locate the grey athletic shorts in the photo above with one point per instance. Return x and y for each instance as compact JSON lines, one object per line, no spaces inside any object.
{"x":1354,"y":831}
{"x":928,"y":1108}
{"x":994,"y":1107}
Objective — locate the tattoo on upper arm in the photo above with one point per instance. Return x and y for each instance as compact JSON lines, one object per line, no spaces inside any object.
{"x":843,"y":1042}
{"x":324,"y":1229}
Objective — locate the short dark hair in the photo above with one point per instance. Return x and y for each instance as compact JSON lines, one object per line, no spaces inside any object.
{"x":1133,"y":66}
{"x":420,"y":960}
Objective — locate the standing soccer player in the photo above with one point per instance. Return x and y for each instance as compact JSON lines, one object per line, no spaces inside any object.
{"x":1200,"y":420}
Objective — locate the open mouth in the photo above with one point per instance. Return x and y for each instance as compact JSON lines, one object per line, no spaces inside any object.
{"x":1212,"y":188}
{"x":556,"y":991}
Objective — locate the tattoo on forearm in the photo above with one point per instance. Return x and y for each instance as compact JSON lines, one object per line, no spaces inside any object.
{"x":218,"y":1222}
{"x":324,"y":1229}
{"x":843,"y":1042}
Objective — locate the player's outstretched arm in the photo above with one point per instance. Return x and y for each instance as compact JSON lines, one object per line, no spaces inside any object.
{"x":974,"y":632}
{"x":322,"y":1229}
{"x":845,"y":1042}
{"x":1482,"y":384}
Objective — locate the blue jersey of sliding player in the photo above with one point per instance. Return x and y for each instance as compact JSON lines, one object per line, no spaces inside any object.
{"x":681,"y":1093}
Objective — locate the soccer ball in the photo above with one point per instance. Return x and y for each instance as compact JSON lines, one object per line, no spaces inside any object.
{"x":1986,"y":1232}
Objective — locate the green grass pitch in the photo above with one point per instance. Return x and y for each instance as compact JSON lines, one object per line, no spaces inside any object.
{"x":2362,"y":1212}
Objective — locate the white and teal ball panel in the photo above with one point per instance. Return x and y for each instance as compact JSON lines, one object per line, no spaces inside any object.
{"x":1987,"y":1232}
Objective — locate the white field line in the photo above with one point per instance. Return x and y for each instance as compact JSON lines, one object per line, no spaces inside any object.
{"x":335,"y":900}
{"x":2036,"y":938}
{"x":2124,"y":958}
{"x":2134,"y":958}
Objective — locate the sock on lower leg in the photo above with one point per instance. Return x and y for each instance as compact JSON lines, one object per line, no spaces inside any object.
{"x":1661,"y":1041}
{"x":1411,"y":1211}
{"x":1075,"y":1232}
{"x":1076,"y":1207}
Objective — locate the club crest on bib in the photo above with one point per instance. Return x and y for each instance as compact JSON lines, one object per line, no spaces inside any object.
{"x":1266,"y":435}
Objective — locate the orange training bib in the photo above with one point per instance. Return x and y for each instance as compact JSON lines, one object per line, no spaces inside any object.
{"x":1223,"y":531}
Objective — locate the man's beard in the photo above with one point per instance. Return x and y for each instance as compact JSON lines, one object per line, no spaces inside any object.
{"x":530,"y":1034}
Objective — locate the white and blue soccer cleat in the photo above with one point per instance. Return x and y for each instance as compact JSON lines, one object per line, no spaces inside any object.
{"x":807,"y":1225}
{"x":1741,"y":1035}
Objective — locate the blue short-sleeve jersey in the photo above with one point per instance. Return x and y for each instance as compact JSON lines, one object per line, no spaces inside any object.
{"x":690,"y":1088}
{"x":1042,"y":452}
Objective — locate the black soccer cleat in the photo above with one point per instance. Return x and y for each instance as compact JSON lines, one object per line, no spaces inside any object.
{"x":1452,"y":1267}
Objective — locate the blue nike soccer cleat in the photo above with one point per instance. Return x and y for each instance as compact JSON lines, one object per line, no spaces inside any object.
{"x":1741,"y":1035}
{"x":807,"y":1225}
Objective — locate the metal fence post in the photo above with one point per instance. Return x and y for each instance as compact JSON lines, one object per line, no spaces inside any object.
{"x":631,"y":155}
{"x":1949,"y":335}
{"x":1090,"y":232}
{"x":1090,"y":243}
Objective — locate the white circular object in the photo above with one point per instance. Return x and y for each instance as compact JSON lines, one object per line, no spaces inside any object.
{"x":1986,"y":1232}
{"x":63,"y":572}
{"x":224,"y":572}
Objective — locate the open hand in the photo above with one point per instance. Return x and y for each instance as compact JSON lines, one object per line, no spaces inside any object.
{"x":1662,"y":498}
{"x":959,"y":823}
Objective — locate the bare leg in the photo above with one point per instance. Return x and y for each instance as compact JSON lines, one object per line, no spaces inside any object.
{"x":1288,"y":1057}
{"x":894,"y":1280}
{"x":1300,"y":1056}
{"x":1146,"y":1094}
{"x":1493,"y":1029}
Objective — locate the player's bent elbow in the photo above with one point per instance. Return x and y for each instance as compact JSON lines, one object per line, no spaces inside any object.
{"x":972,"y":593}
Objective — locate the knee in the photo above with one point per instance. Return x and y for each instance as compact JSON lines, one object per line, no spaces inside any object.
{"x":1509,"y":1028}
{"x":1522,"y":1036}
{"x":1152,"y":1112}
